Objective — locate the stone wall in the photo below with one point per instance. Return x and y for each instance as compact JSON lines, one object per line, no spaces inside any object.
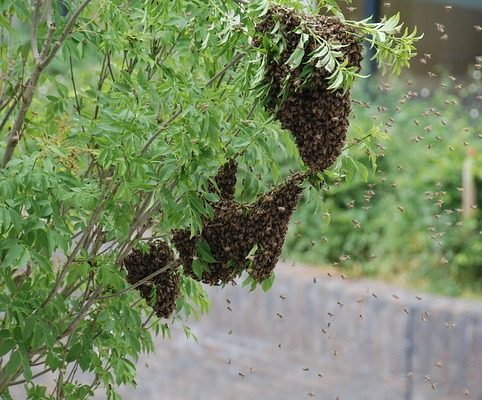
{"x":425,"y":346}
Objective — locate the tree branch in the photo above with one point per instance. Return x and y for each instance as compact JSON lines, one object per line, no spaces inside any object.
{"x":65,"y":32}
{"x":34,"y":31}
{"x":161,"y":129}
{"x":172,"y":264}
{"x":33,"y":377}
{"x":234,"y":60}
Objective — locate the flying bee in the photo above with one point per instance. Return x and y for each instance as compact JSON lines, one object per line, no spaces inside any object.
{"x":440,"y":27}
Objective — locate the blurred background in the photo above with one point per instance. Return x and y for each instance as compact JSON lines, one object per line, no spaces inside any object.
{"x":414,"y":220}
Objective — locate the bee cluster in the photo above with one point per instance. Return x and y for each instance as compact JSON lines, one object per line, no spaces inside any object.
{"x":318,"y":119}
{"x":236,"y":228}
{"x":316,"y":116}
{"x":162,"y":291}
{"x":226,"y":180}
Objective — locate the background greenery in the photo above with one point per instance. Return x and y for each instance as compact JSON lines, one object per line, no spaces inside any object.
{"x":404,"y":222}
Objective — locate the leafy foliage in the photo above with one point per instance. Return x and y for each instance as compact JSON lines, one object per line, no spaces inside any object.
{"x":115,"y":116}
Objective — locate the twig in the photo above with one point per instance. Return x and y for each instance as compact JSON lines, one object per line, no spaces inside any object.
{"x":161,"y":129}
{"x":34,"y":31}
{"x":172,"y":264}
{"x":33,"y":377}
{"x":234,"y":60}
{"x":65,"y":32}
{"x":357,"y":141}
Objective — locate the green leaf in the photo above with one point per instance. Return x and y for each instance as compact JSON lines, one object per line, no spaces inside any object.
{"x":198,"y":268}
{"x":13,"y":363}
{"x":6,"y":345}
{"x":295,"y":58}
{"x":268,"y":283}
{"x":204,"y":252}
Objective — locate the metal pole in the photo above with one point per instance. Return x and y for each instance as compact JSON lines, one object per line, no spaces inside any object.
{"x":371,"y":9}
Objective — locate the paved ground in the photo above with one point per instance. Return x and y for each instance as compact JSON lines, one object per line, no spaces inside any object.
{"x":326,"y":338}
{"x":224,"y":366}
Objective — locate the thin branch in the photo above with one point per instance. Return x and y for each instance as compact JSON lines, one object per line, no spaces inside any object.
{"x":76,"y":96}
{"x":34,"y":31}
{"x":172,"y":264}
{"x":50,"y":33}
{"x":33,"y":377}
{"x":357,"y":141}
{"x":80,"y":243}
{"x":65,"y":32}
{"x":161,"y":129}
{"x":234,"y":60}
{"x":9,"y":111}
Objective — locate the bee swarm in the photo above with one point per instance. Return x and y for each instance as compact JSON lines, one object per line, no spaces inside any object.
{"x":236,"y":228}
{"x":316,"y":116}
{"x":165,"y":285}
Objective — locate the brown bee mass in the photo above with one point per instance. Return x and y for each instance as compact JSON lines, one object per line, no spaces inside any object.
{"x":226,"y":180}
{"x":234,"y":231}
{"x":316,"y":116}
{"x":163,"y":290}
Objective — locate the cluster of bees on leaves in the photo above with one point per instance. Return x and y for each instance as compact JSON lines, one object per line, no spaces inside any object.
{"x":318,"y":120}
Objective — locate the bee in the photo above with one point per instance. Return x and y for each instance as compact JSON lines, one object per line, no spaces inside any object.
{"x":440,"y":27}
{"x":448,"y":8}
{"x":279,"y":315}
{"x":478,"y":28}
